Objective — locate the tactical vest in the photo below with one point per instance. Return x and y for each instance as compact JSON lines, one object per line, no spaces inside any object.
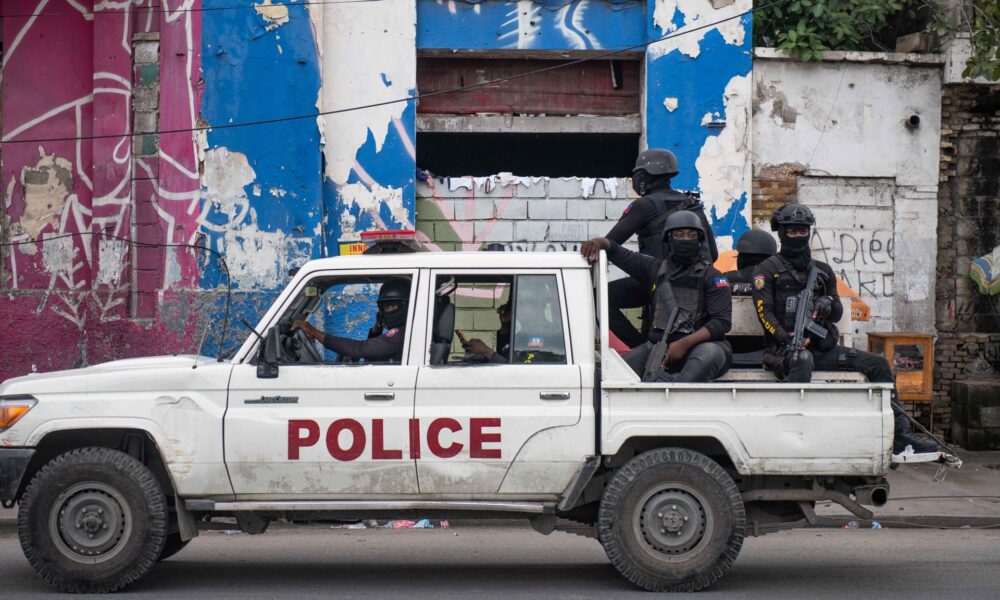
{"x":667,"y":202}
{"x":689,"y":292}
{"x":787,"y":286}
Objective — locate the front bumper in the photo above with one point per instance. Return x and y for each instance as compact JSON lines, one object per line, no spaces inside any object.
{"x":13,"y":463}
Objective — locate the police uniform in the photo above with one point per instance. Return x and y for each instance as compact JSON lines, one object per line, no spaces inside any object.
{"x":704,"y":297}
{"x":645,"y":218}
{"x":387,"y":347}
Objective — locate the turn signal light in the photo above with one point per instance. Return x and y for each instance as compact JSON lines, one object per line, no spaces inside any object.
{"x":13,"y":408}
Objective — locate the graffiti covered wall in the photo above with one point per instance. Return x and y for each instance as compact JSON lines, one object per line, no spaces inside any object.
{"x":132,"y":135}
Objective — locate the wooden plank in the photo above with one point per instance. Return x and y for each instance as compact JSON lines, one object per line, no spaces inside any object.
{"x":582,"y":89}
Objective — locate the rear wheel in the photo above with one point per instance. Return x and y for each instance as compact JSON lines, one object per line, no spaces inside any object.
{"x":672,"y":520}
{"x":92,"y":520}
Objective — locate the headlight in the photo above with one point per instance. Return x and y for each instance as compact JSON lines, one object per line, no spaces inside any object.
{"x":13,"y":408}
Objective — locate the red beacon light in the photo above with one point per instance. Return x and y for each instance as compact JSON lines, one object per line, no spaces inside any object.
{"x":390,"y":241}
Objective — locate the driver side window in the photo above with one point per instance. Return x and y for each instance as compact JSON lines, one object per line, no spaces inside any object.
{"x":341,"y":320}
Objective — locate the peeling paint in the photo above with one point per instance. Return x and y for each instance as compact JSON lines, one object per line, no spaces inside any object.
{"x":274,"y":15}
{"x":695,"y":13}
{"x":372,"y":200}
{"x":589,"y":184}
{"x":261,"y":259}
{"x":226,"y":175}
{"x":723,"y":164}
{"x":670,"y":104}
{"x":46,"y":185}
{"x":111,"y":261}
{"x":365,"y":46}
{"x":58,"y":256}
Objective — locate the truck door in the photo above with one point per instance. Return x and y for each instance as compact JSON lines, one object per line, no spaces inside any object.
{"x":513,"y":380}
{"x":327,"y":425}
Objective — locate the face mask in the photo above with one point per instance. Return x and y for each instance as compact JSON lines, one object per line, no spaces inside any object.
{"x":396,"y":318}
{"x":640,"y":182}
{"x":795,"y":249}
{"x":748,"y":260}
{"x":684,"y":251}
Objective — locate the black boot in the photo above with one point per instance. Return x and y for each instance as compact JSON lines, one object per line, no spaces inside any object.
{"x":905,"y":436}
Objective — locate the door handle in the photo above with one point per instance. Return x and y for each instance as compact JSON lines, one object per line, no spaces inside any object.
{"x":380,"y":396}
{"x":554,"y":395}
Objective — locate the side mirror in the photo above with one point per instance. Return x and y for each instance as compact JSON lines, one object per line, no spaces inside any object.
{"x":267,"y":361}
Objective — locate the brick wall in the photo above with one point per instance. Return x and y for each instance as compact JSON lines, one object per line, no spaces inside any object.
{"x":773,"y":186}
{"x":968,"y":344}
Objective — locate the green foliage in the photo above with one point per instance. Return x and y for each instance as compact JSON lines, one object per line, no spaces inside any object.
{"x":808,"y":27}
{"x":985,"y":37}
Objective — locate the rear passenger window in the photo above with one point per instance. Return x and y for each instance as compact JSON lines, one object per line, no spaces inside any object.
{"x":538,"y":328}
{"x":497,"y":319}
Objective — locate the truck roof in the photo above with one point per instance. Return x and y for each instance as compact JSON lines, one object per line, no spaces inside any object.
{"x":453,"y":260}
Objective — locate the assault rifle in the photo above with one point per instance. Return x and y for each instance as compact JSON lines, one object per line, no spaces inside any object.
{"x":803,"y":317}
{"x":654,"y":363}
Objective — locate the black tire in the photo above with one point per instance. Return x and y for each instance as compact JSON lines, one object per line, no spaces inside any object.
{"x":92,"y":520}
{"x":671,"y":520}
{"x":172,"y":546}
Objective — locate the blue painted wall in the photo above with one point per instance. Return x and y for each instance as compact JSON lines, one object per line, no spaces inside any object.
{"x":546,"y":25}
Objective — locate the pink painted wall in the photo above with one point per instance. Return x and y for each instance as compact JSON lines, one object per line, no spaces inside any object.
{"x":66,"y":74}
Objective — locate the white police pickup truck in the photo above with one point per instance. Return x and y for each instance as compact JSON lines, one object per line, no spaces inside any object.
{"x":118,"y":465}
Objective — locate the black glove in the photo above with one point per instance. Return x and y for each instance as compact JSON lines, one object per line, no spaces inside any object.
{"x":823,"y":307}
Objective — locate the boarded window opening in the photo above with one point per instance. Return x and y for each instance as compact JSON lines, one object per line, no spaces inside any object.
{"x":582,"y":120}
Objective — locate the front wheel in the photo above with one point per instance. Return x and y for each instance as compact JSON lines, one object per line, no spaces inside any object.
{"x":672,"y":520}
{"x":92,"y":520}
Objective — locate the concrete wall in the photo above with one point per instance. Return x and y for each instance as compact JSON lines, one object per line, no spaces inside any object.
{"x":835,"y":136}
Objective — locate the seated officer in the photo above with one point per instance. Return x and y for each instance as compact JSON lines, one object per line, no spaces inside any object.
{"x":753,"y":248}
{"x":777,"y":284}
{"x":385,"y":346}
{"x":687,"y":286}
{"x":502,"y":353}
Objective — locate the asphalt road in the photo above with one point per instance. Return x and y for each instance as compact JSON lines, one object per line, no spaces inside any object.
{"x":508,"y":563}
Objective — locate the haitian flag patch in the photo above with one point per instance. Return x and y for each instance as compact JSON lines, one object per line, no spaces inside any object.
{"x":391,"y":332}
{"x":721,"y":282}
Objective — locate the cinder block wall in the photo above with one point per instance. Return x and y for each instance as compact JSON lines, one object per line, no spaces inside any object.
{"x":518,"y":213}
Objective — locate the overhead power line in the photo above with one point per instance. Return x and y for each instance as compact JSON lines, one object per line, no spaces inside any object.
{"x":460,"y":89}
{"x":160,"y":10}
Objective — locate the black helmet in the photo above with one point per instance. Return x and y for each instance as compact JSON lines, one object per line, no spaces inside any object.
{"x":657,"y":161}
{"x":792,"y":214}
{"x":683,"y":219}
{"x":396,"y":290}
{"x":756,"y":241}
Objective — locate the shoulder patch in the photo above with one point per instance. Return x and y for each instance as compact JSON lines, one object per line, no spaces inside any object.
{"x":391,"y":332}
{"x":628,"y":208}
{"x":758,"y":282}
{"x":721,"y":282}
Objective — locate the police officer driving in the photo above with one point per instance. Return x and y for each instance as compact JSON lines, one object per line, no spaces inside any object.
{"x":799,"y":319}
{"x":651,"y":177}
{"x":385,"y":339}
{"x":692,"y":307}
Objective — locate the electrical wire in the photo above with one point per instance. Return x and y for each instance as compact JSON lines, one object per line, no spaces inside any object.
{"x":571,"y":63}
{"x":156,"y":10}
{"x":216,"y":253}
